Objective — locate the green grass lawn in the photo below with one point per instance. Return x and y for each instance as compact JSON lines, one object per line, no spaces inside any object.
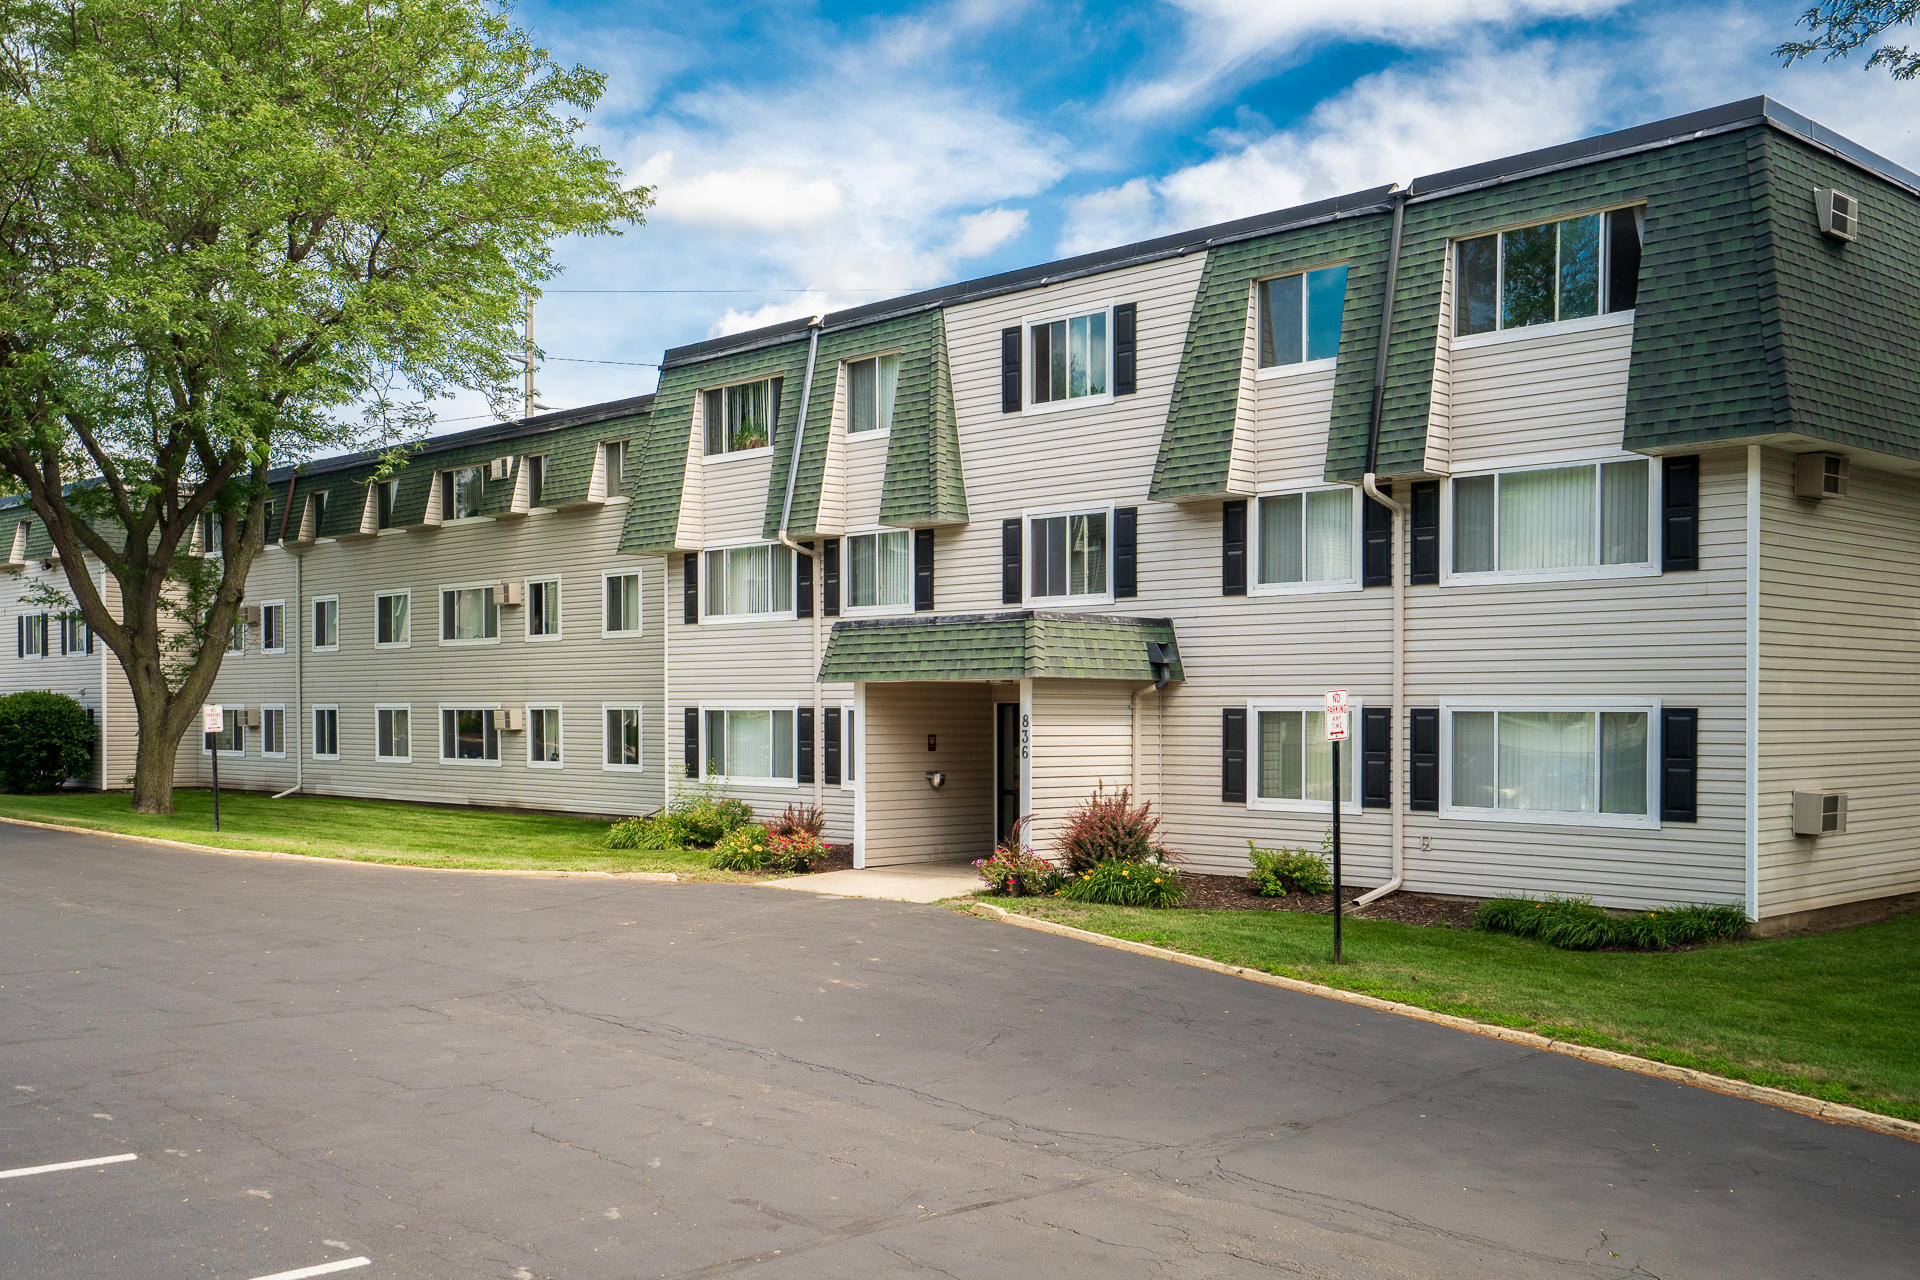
{"x":366,"y":831}
{"x":1835,"y":1016}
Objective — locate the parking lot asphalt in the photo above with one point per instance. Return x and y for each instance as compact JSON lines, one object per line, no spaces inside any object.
{"x":467,"y":1076}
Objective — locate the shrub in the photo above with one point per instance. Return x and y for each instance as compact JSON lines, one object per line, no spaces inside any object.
{"x":1682,"y":926}
{"x":1109,"y":827}
{"x":1575,"y":924}
{"x":701,"y":814}
{"x":793,"y":851}
{"x":1016,"y":871}
{"x":799,"y":819}
{"x":1279,"y":872}
{"x":746,"y":848}
{"x":45,"y":738}
{"x":1118,"y":883}
{"x":641,"y":833}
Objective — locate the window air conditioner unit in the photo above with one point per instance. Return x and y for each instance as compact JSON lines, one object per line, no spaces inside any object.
{"x":1820,"y":475}
{"x":253,"y":717}
{"x":1819,"y":813}
{"x":510,"y":592}
{"x":516,"y":719}
{"x":251,"y":613}
{"x":1839,"y":213}
{"x":499,"y":468}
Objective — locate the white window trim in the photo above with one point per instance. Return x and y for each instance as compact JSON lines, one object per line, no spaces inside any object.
{"x":481,"y":470}
{"x":1027,"y":517}
{"x":560,"y":717}
{"x":526,"y":607}
{"x":730,"y":455}
{"x":239,"y":633}
{"x":640,"y":718}
{"x":407,"y":707}
{"x":281,"y":605}
{"x":723,"y":619}
{"x":440,"y":732}
{"x":1540,"y":817}
{"x":1574,"y":325}
{"x":1299,"y":368}
{"x":239,"y":709}
{"x":38,"y":622}
{"x":1552,"y":328}
{"x":378,"y":643}
{"x":440,"y":614}
{"x":849,"y":747}
{"x":313,"y":712}
{"x":1349,"y":779}
{"x":1648,"y":568}
{"x":783,"y":784}
{"x":882,"y":610}
{"x":1330,"y":587}
{"x":1302,"y":369}
{"x":640,"y":592}
{"x":1028,"y":405}
{"x":846,"y":382}
{"x":392,"y":489}
{"x":335,"y":646}
{"x":265,"y":754}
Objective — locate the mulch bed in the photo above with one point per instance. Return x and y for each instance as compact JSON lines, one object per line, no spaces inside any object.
{"x":838,"y":857}
{"x":1234,"y":893}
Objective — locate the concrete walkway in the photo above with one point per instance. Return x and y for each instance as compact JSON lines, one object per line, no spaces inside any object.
{"x":915,"y":882}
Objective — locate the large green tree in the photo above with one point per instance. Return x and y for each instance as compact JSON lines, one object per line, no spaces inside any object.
{"x":237,"y":233}
{"x":1841,"y":28}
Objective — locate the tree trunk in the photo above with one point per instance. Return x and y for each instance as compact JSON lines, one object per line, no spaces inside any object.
{"x":153,"y":766}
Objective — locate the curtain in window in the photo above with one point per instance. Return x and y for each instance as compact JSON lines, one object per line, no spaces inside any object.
{"x":749,"y":585}
{"x":1280,"y":762}
{"x":750,"y":744}
{"x":1087,"y":555}
{"x":1623,"y":762}
{"x":717,"y":742}
{"x":861,"y":399}
{"x":1547,"y":761}
{"x":782,"y":744}
{"x":1329,"y":535}
{"x":863,"y":572}
{"x":889,"y":386}
{"x":713,"y":420}
{"x":1473,"y":759}
{"x":1318,"y":770}
{"x":896,"y":567}
{"x":1547,"y":518}
{"x":1473,"y":506}
{"x":1623,"y":512}
{"x":1281,"y":553}
{"x":469,"y":615}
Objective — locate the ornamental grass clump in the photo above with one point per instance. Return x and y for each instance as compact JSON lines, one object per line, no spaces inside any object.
{"x":641,"y":833}
{"x":1278,"y":872}
{"x":1016,"y":871}
{"x":1115,"y":883}
{"x":1109,"y":827}
{"x":1575,"y":924}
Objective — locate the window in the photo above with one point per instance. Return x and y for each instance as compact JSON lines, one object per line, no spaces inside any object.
{"x":543,"y":737}
{"x":615,"y":454}
{"x":755,"y":745}
{"x":1292,"y":763}
{"x":393,"y":734}
{"x":849,"y":746}
{"x":543,"y":609}
{"x":386,"y":497}
{"x":73,"y":633}
{"x":880,"y":570}
{"x":232,"y":738}
{"x":468,"y":735}
{"x":1588,"y":516}
{"x":536,"y":478}
{"x":1300,"y":317}
{"x":326,"y":624}
{"x":469,"y":615}
{"x":33,"y":635}
{"x":209,"y":534}
{"x":460,"y":492}
{"x":622,"y":615}
{"x":749,"y":582}
{"x":1307,"y":539}
{"x":273,"y":627}
{"x":1070,"y":358}
{"x":1582,"y":266}
{"x":740,"y":418}
{"x":326,"y":733}
{"x":236,"y":638}
{"x":1069,"y":556}
{"x":319,"y":512}
{"x":623,"y":738}
{"x":392,"y":623}
{"x":871,"y":385}
{"x":1551,"y":761}
{"x":273,"y":732}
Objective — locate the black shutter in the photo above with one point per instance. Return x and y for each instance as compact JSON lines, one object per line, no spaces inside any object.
{"x":1010,"y":369}
{"x":690,"y":588}
{"x":922,"y":570}
{"x":1233,"y":755}
{"x":1123,"y":349}
{"x":1233,"y":547}
{"x":830,"y":578}
{"x":21,"y":627}
{"x":830,"y":746}
{"x":803,"y":583}
{"x":1376,"y":757}
{"x":692,"y":744}
{"x":1424,"y":528}
{"x":1010,"y":562}
{"x":1680,"y":514}
{"x":63,"y":638}
{"x":1376,"y":528}
{"x":1126,"y":552}
{"x":803,"y":749}
{"x":1423,"y":759}
{"x":1679,"y":764}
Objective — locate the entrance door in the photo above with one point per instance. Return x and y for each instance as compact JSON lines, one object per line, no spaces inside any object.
{"x":1006,"y":772}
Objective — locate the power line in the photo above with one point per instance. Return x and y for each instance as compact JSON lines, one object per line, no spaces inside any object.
{"x":780,"y":289}
{"x":631,"y":364}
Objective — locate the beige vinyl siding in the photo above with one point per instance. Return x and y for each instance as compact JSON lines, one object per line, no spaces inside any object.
{"x":80,"y":676}
{"x":1839,"y":685}
{"x":255,"y":678}
{"x":1516,"y":397}
{"x":907,"y":820}
{"x":1439,"y":454}
{"x":1294,"y":412}
{"x":1081,"y":739}
{"x":733,"y":499}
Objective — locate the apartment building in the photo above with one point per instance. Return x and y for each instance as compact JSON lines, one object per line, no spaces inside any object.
{"x":1588,"y":472}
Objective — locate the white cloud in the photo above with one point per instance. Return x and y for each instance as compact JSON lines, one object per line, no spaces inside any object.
{"x":983,"y":232}
{"x":752,"y":197}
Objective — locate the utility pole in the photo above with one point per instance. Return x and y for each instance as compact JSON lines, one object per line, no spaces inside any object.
{"x":527,"y":356}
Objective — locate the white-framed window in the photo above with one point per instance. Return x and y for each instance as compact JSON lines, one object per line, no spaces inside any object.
{"x":613,"y":454}
{"x":620,"y":604}
{"x":1069,"y":556}
{"x":622,"y":738}
{"x":748,"y":582}
{"x":210,"y":533}
{"x":1299,"y":317}
{"x":33,"y":635}
{"x":543,"y":608}
{"x":871,"y":387}
{"x":393,"y":619}
{"x":232,"y":738}
{"x":393,"y":733}
{"x":469,"y":614}
{"x":543,"y":736}
{"x":386,"y":498}
{"x":237,"y":638}
{"x":740,"y":418}
{"x":749,"y":744}
{"x":460,"y":492}
{"x":1291,"y":763}
{"x":879,"y":569}
{"x":326,"y":733}
{"x":273,"y":626}
{"x":1586,"y":763}
{"x":326,"y":624}
{"x":1070,"y":358}
{"x":849,"y":746}
{"x":1308,"y":540}
{"x":536,"y":465}
{"x":273,"y":732}
{"x":469,"y":735}
{"x":73,"y":633}
{"x":1575,"y":519}
{"x":1575,"y":268}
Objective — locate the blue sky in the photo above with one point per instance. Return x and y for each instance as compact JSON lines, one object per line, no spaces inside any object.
{"x":812,"y":156}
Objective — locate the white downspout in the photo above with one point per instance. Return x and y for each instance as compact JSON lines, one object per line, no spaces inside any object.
{"x":299,"y":631}
{"x":786,"y":512}
{"x":1396,"y":739}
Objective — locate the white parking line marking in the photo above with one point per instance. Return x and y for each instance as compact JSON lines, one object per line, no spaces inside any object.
{"x":324,"y":1269}
{"x":70,"y":1164}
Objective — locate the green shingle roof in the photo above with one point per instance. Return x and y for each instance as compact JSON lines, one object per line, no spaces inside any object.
{"x":1027,"y":644}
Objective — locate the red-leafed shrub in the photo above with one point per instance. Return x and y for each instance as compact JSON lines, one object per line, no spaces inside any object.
{"x":805,"y":819}
{"x":1109,"y":827}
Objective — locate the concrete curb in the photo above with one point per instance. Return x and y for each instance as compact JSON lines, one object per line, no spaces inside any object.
{"x":1831,"y":1112}
{"x":659,"y":877}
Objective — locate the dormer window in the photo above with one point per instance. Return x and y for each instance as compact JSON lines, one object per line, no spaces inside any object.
{"x":615,"y":452}
{"x":1300,"y":317}
{"x":871,"y":385}
{"x":1578,"y":267}
{"x":741,"y":418}
{"x":536,"y":478}
{"x":460,"y":492}
{"x":386,"y":496}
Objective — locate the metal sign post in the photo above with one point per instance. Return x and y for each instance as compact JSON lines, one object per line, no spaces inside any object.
{"x":213,"y":722}
{"x":1336,"y":734}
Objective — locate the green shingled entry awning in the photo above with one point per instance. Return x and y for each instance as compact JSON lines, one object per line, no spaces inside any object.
{"x":1025,"y":644}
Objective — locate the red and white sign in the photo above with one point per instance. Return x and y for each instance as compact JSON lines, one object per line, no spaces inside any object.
{"x":1337,"y":715}
{"x":212,"y":718}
